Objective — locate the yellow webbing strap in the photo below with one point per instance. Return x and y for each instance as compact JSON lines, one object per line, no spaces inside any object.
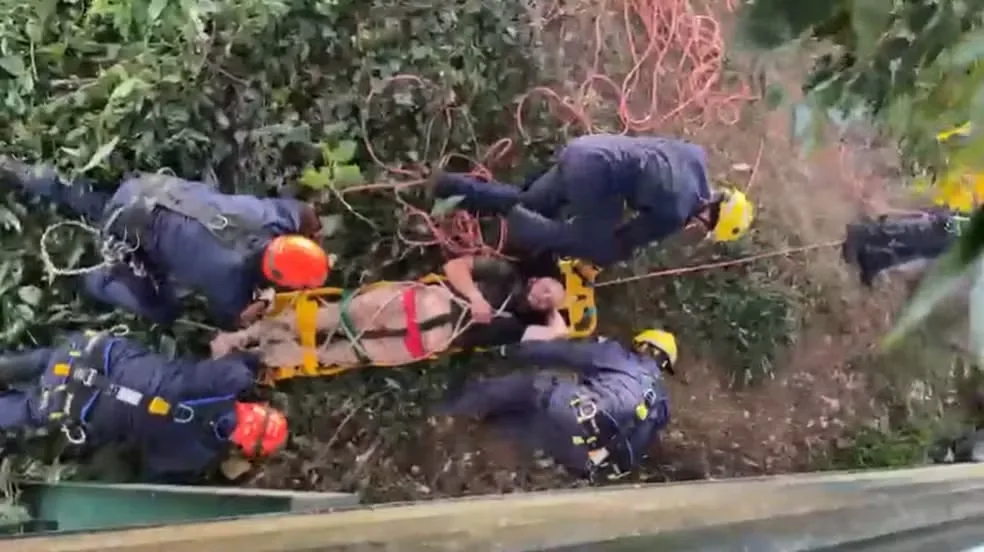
{"x":306,"y":309}
{"x":579,"y":304}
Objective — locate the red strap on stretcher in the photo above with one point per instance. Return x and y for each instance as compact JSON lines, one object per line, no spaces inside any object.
{"x":413,"y":341}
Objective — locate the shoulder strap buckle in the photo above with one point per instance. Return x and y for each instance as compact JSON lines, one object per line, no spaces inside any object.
{"x":75,"y":434}
{"x":183,"y":413}
{"x":219,"y":223}
{"x":85,"y":376}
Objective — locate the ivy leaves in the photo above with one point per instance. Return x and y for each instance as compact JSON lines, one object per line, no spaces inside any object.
{"x":337,"y":171}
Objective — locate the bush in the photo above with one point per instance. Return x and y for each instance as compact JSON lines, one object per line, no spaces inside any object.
{"x":256,"y":96}
{"x":733,"y":316}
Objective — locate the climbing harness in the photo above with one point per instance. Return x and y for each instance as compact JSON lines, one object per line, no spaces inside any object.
{"x":83,"y":377}
{"x":125,"y":226}
{"x":238,"y":233}
{"x":610,"y":452}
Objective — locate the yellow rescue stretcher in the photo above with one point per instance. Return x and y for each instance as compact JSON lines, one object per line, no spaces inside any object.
{"x":579,"y":309}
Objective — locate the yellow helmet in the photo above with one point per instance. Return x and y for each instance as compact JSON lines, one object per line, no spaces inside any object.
{"x":962,"y":131}
{"x":735,"y":215}
{"x":661,"y":344}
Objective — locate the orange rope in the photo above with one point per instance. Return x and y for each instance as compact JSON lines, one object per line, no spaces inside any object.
{"x":677,"y":76}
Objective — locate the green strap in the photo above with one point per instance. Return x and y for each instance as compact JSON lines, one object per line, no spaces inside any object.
{"x":348,"y":326}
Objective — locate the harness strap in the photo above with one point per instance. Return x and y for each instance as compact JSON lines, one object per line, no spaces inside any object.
{"x":83,"y":380}
{"x":414,"y":340}
{"x":159,"y":190}
{"x":348,"y":326}
{"x":603,"y":437}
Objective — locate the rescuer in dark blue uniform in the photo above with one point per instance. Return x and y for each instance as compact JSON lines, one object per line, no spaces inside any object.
{"x":663,"y":180}
{"x":600,"y":425}
{"x":187,"y":234}
{"x":904,"y":241}
{"x":183,"y":417}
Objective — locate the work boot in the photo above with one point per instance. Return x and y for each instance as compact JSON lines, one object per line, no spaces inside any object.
{"x":38,"y":181}
{"x":13,"y":172}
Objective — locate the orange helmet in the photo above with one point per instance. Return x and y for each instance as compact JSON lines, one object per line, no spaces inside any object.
{"x":295,"y":262}
{"x":260,"y":430}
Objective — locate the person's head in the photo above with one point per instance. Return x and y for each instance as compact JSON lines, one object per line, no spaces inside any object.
{"x":295,"y":262}
{"x":260,"y":430}
{"x":727,"y":216}
{"x":545,"y":294}
{"x":660,"y":345}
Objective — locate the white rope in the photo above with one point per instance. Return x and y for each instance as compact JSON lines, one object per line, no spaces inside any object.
{"x":111,"y":251}
{"x":49,"y":265}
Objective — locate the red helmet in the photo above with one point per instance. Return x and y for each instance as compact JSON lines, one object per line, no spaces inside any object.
{"x":295,"y":262}
{"x":260,"y":430}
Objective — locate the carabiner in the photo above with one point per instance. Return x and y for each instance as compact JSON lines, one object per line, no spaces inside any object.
{"x":650,"y":397}
{"x":88,"y":377}
{"x":75,"y":435}
{"x":220,"y":223}
{"x":586,"y":410}
{"x":119,"y":330}
{"x":183,"y":413}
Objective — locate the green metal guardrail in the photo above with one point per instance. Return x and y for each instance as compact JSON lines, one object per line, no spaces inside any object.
{"x":866,"y":511}
{"x":72,"y":507}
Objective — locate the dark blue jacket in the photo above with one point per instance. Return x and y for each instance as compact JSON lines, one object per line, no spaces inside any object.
{"x":617,"y":376}
{"x":665,"y":180}
{"x":183,"y":253}
{"x":535,"y":407}
{"x":166,"y":447}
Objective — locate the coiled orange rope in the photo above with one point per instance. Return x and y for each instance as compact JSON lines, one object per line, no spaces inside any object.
{"x":676,"y":76}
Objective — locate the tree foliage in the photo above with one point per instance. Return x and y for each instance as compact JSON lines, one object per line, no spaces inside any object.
{"x":256,"y":96}
{"x":914,"y":67}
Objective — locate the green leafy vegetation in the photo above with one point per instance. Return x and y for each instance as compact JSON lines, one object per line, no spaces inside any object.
{"x":336,"y":101}
{"x":913,"y":69}
{"x":730,"y":316}
{"x":306,"y":97}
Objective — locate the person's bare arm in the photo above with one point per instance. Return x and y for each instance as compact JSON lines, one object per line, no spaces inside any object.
{"x":459,"y":274}
{"x":557,"y":323}
{"x":555,"y":328}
